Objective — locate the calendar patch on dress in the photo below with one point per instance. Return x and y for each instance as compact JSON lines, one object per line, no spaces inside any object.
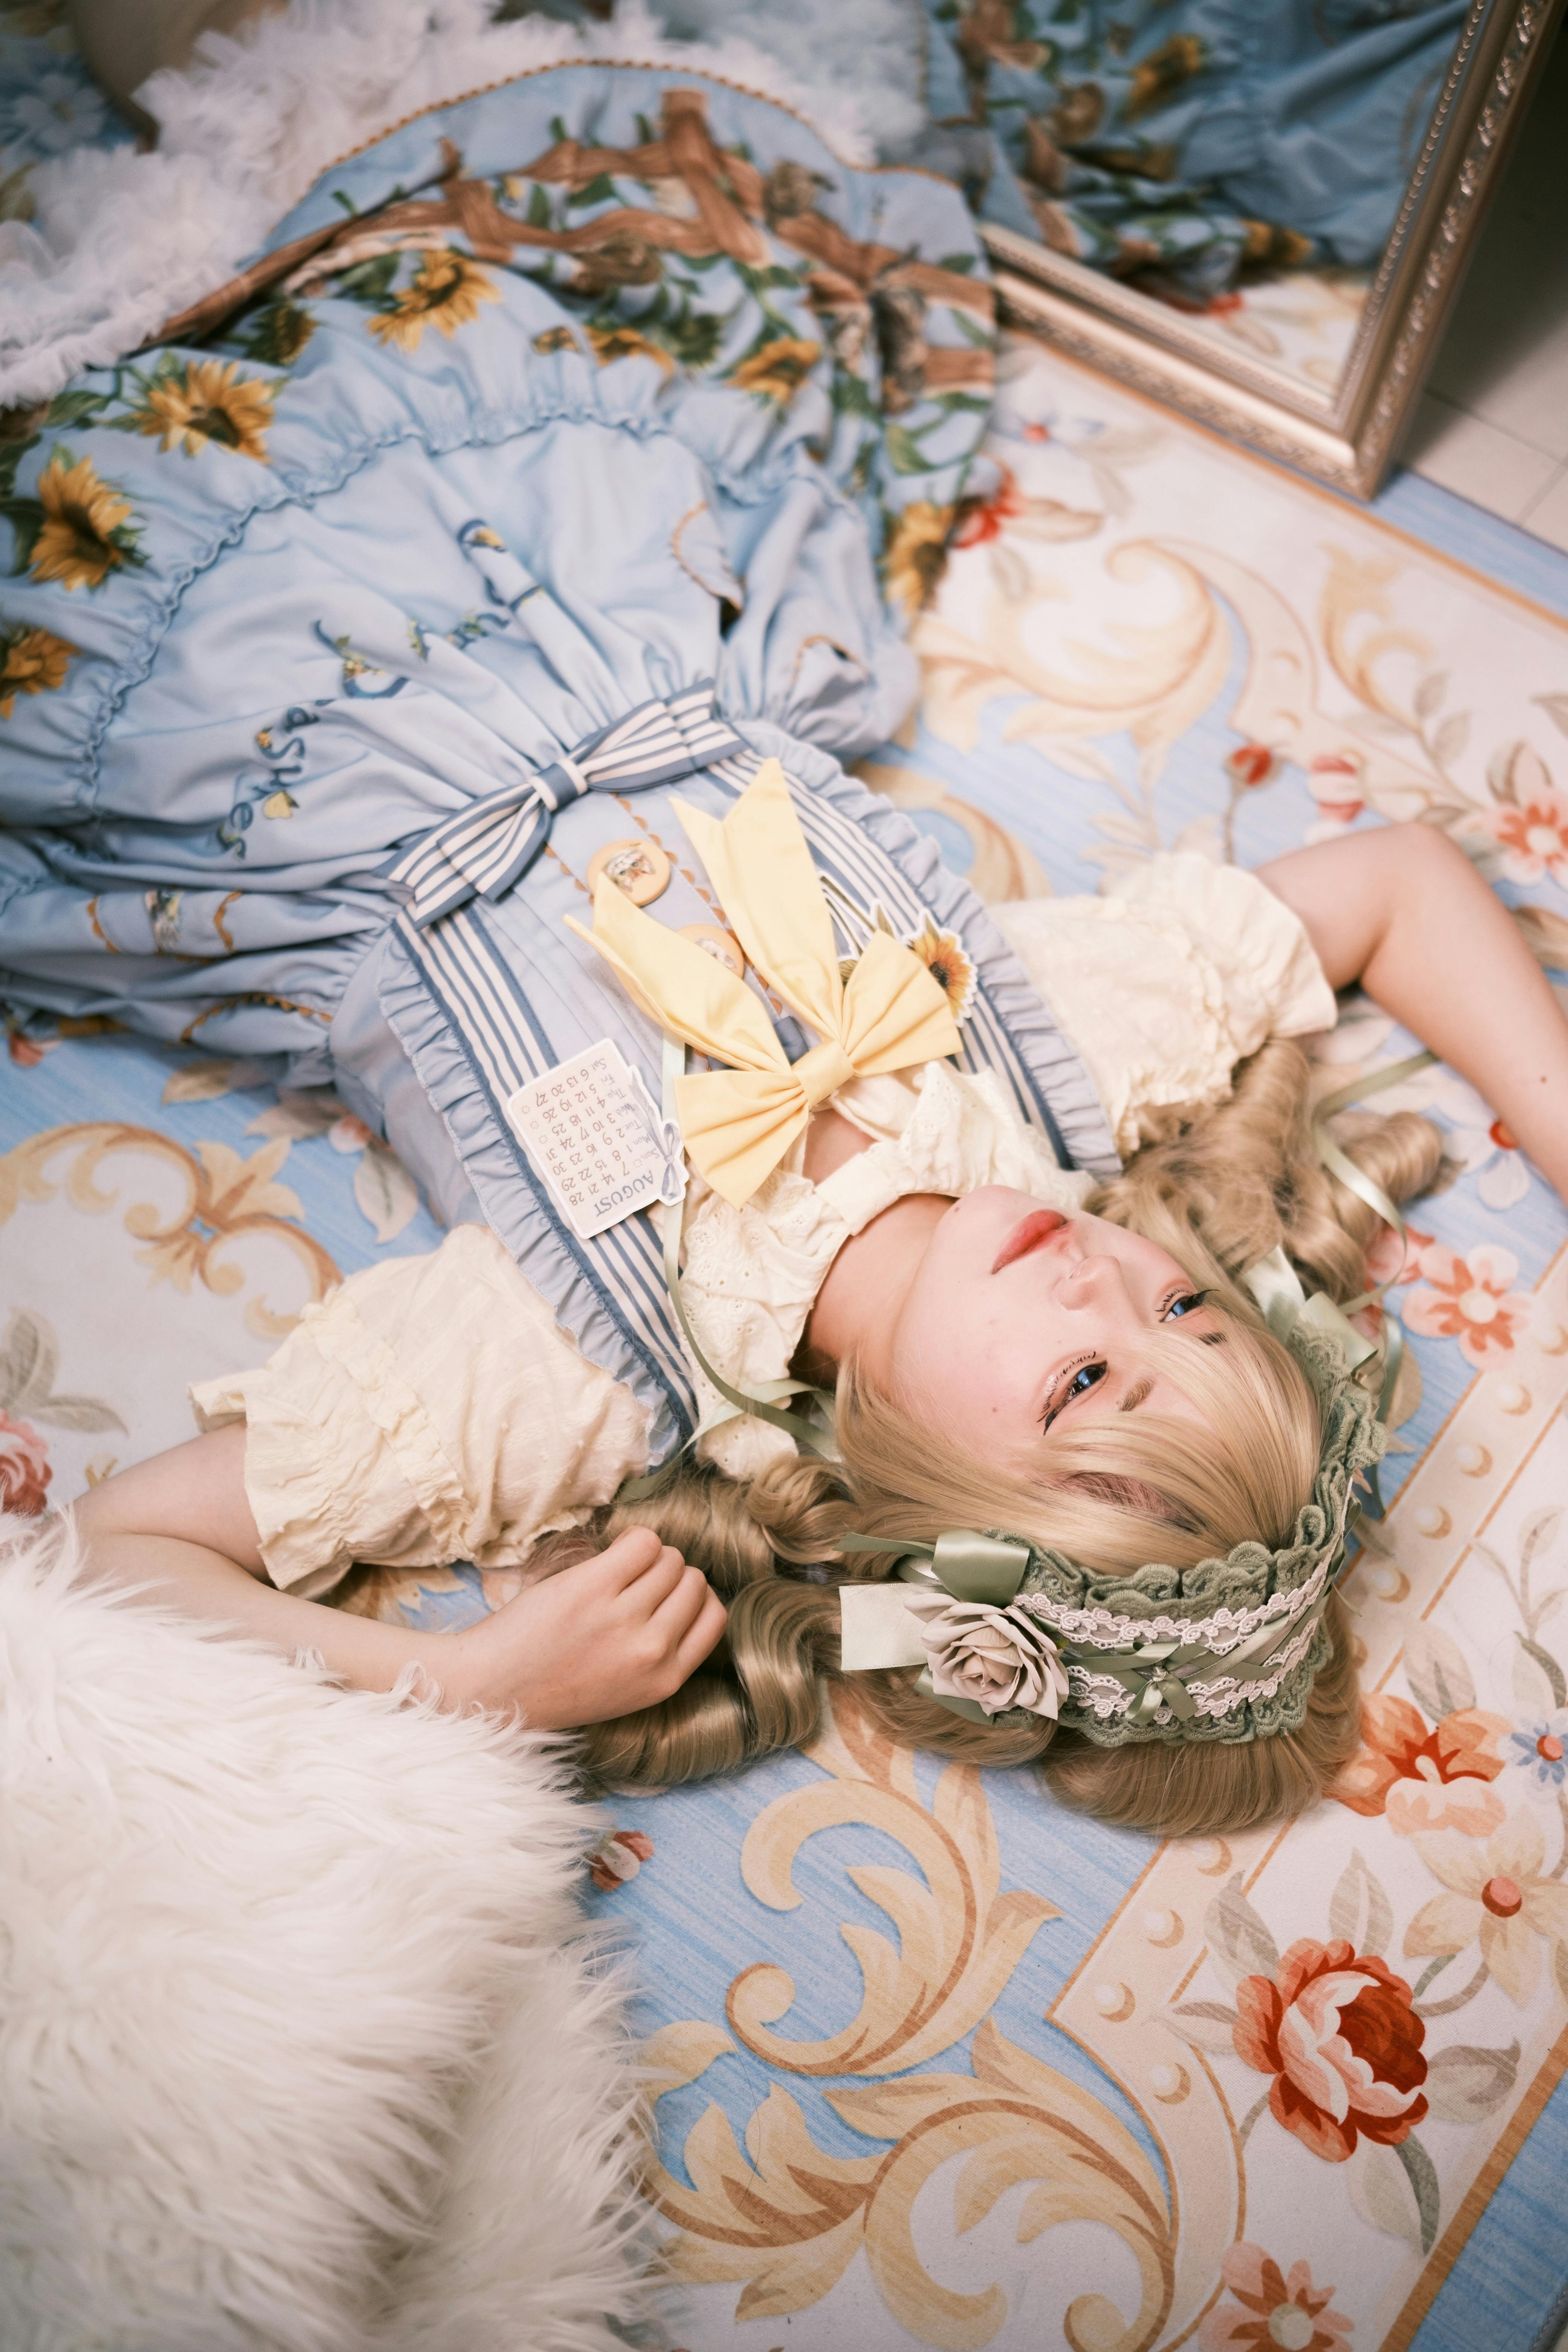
{"x":594,"y":1133}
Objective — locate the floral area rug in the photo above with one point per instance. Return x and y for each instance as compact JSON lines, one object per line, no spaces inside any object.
{"x":934,"y":2063}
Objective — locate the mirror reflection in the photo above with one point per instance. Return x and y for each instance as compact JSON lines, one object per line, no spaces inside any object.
{"x":1240,"y":160}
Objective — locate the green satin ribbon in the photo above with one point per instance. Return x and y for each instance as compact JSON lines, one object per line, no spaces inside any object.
{"x":967,"y":1567}
{"x":1340,"y":1163}
{"x":1277,"y":1287}
{"x":990,"y":1568}
{"x":1284,"y":1304}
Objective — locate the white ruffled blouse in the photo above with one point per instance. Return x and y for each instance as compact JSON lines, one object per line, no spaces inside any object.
{"x":432,"y":1409}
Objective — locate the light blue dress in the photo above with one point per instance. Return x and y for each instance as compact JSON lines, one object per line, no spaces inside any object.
{"x":592,"y":438}
{"x":648,"y":390}
{"x":1180,"y":142}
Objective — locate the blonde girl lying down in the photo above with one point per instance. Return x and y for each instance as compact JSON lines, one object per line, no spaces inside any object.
{"x":1118,"y":1497}
{"x":523,"y":591}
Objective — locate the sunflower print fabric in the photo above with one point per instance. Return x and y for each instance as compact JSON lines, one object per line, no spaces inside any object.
{"x":416,"y":401}
{"x":82,"y":527}
{"x":1182,"y":145}
{"x":446,"y":293}
{"x":188,"y":404}
{"x":34,"y":662}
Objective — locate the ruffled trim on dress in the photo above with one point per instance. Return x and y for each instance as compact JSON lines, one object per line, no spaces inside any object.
{"x":1272,"y":981}
{"x":1170,"y":979}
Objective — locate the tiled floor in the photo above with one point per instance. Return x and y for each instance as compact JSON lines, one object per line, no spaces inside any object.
{"x":1493,"y":422}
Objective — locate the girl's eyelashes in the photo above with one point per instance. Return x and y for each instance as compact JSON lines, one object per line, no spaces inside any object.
{"x":1077,"y":1381}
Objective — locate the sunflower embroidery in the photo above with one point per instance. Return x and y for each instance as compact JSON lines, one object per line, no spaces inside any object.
{"x":85,"y":532}
{"x":554,"y":339}
{"x":208,"y":400}
{"x":778,"y":369}
{"x":446,"y":291}
{"x":626,"y":343}
{"x":35,"y":662}
{"x":915,"y":552}
{"x":948,"y":963}
{"x":280,"y":334}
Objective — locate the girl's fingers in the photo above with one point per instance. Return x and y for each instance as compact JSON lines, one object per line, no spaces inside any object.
{"x":651,"y":1594}
{"x":630,"y":1556}
{"x":672,"y":1621}
{"x":703,"y":1636}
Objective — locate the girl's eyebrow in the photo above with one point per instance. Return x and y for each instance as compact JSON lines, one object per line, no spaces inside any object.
{"x":1136,"y":1394}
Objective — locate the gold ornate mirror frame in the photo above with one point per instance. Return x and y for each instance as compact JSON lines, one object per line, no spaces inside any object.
{"x":1345,"y":437}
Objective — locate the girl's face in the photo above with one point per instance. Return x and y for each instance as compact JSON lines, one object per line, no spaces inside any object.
{"x":1019,"y":1319}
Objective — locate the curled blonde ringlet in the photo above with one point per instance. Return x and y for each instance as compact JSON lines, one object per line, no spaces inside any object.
{"x":1218,"y":1188}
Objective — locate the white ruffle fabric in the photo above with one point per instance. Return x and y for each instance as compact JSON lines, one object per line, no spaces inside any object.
{"x":429,"y":1409}
{"x":1170,"y":979}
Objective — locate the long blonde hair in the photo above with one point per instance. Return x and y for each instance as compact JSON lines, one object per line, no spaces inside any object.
{"x":1217,"y":1191}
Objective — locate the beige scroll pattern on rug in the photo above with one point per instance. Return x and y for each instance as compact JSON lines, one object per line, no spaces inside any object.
{"x":132,"y":1263}
{"x":1207,"y":1987}
{"x":785,"y":2219}
{"x":1335,"y":2037}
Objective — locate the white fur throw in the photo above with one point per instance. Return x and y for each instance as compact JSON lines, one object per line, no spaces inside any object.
{"x":303,"y":2046}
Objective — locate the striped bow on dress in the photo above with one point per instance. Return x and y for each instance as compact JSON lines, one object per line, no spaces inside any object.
{"x":485,"y":849}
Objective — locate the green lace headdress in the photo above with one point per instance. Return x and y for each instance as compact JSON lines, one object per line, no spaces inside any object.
{"x":1007,"y":1631}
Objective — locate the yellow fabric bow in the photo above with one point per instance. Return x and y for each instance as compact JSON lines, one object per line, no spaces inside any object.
{"x":738,"y":1123}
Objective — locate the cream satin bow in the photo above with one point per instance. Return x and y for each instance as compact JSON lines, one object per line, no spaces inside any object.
{"x":737,"y":1123}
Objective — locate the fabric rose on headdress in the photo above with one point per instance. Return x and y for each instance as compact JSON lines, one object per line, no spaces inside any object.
{"x":998,"y":1657}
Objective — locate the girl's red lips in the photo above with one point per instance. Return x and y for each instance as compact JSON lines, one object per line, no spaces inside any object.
{"x":1030,"y":1233}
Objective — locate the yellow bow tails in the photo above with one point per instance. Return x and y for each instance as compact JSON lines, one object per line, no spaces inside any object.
{"x":761,"y":869}
{"x":738,"y":1122}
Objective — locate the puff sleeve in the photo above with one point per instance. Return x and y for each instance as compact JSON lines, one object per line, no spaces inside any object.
{"x":1166,"y":983}
{"x":429,"y":1409}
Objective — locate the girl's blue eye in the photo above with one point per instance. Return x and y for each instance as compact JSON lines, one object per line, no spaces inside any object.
{"x":1187,"y":1303}
{"x":1083,"y":1379}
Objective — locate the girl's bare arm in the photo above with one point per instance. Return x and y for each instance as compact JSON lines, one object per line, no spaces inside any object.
{"x":194,"y":1493}
{"x":1403,"y":911}
{"x":603,"y":1639}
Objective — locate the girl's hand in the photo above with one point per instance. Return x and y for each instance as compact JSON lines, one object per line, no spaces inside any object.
{"x":605,"y":1638}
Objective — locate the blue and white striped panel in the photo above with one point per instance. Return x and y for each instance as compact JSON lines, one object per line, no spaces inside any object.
{"x":469,"y":854}
{"x":658,"y":742}
{"x":469,"y":973}
{"x":486,"y":849}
